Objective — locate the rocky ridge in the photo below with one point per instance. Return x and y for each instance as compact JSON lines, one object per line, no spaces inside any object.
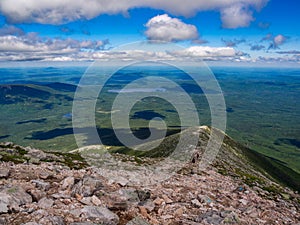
{"x":50,"y":188}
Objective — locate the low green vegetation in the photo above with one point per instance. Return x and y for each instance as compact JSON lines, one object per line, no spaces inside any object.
{"x":17,"y":154}
{"x":262,"y":113}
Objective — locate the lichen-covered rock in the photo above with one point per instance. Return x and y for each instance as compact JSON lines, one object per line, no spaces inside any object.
{"x":11,"y":197}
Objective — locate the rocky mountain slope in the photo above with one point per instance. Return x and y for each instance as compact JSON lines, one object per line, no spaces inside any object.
{"x":39,"y":187}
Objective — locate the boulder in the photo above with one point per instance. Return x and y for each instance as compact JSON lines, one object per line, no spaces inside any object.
{"x":87,"y":186}
{"x":11,"y":197}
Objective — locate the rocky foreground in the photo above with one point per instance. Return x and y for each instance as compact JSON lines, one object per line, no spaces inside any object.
{"x":39,"y":192}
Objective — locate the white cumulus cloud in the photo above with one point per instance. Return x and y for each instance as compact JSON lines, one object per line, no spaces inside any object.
{"x":165,"y":28}
{"x":206,"y":51}
{"x":236,"y":16}
{"x":63,"y":11}
{"x":31,"y":46}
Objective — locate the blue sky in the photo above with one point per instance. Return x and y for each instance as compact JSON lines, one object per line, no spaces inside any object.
{"x":239,"y":31}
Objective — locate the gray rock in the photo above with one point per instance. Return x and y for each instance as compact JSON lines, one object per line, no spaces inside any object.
{"x":4,"y":202}
{"x":148,"y":204}
{"x":86,"y":201}
{"x":4,"y":173}
{"x":61,"y":194}
{"x":45,"y":186}
{"x":83,"y":223}
{"x":117,"y":202}
{"x":40,"y":213}
{"x":28,"y":210}
{"x":18,"y":194}
{"x":87,"y":186}
{"x":204,"y":199}
{"x":211,"y":217}
{"x":68,"y":182}
{"x":130,"y":194}
{"x":196,"y":203}
{"x":12,"y":197}
{"x":95,"y":200}
{"x":75,"y":212}
{"x":214,"y":219}
{"x":37,"y":154}
{"x":138,"y":221}
{"x":106,"y":216}
{"x":231,"y":218}
{"x":56,"y":220}
{"x":31,"y":223}
{"x":44,"y":175}
{"x":45,"y":203}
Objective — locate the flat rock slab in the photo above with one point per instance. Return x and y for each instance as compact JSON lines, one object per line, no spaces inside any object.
{"x":11,"y":197}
